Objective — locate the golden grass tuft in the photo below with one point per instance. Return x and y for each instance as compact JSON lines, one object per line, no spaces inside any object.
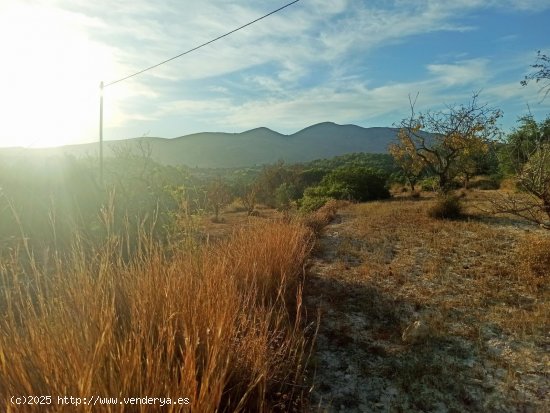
{"x":534,"y":258}
{"x":219,"y":324}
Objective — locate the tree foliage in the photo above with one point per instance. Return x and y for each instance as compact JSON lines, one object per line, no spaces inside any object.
{"x":526,"y":155}
{"x":440,"y":140}
{"x":247,"y":193}
{"x":404,"y":154}
{"x":534,"y":176}
{"x":217,"y":195}
{"x":351,"y":183}
{"x":521,"y":143}
{"x":271,"y":178}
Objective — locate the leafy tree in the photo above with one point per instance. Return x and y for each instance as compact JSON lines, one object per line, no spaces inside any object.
{"x":476,"y":160}
{"x":534,"y":177}
{"x":284,"y":195}
{"x":379,"y":161}
{"x":310,"y":177}
{"x":351,"y":183}
{"x":271,"y":178}
{"x":541,"y":73}
{"x":217,"y":195}
{"x":405,"y":157}
{"x":522,"y":142}
{"x":528,"y":154}
{"x":356,"y":184}
{"x":441,"y":139}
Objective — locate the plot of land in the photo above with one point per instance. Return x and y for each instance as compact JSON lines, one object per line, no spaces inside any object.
{"x":419,"y":314}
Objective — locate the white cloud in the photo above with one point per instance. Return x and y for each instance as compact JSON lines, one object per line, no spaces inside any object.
{"x":270,"y":73}
{"x":461,"y":73}
{"x":356,"y":102}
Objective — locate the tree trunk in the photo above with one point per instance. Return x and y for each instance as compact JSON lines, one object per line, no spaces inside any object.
{"x":466,"y":181}
{"x":411,"y":183}
{"x":546,"y":206}
{"x":443,"y":183}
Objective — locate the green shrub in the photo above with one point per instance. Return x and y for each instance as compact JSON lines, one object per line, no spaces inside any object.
{"x":310,"y":203}
{"x":429,"y":184}
{"x":284,"y":195}
{"x":351,"y":184}
{"x":446,"y":207}
{"x":356,"y":184}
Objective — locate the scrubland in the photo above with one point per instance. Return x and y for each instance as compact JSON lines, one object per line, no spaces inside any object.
{"x":220,"y":323}
{"x":380,"y":307}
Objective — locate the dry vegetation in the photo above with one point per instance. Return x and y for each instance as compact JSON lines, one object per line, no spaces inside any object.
{"x":424,"y":314}
{"x":219,"y":323}
{"x":417,"y":314}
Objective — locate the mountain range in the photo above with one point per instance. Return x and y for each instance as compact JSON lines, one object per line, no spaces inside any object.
{"x":253,"y":147}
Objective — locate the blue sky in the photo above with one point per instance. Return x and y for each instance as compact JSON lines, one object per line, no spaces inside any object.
{"x":319,"y":60}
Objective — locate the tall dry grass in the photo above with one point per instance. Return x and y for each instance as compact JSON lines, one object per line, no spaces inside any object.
{"x":219,"y":324}
{"x":319,"y":219}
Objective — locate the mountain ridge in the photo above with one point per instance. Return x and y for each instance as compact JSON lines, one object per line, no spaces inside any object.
{"x":251,"y":147}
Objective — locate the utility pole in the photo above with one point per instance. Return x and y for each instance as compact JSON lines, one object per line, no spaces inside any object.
{"x":101,"y":133}
{"x":102,"y":86}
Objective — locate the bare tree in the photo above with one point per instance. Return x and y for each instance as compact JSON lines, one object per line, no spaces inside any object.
{"x":439,"y":140}
{"x":249,"y":197}
{"x":540,"y":74}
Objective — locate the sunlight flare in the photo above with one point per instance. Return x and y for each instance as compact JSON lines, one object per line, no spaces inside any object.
{"x":49,"y":77}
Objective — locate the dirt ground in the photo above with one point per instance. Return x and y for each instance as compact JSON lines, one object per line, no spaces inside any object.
{"x":427,"y":315}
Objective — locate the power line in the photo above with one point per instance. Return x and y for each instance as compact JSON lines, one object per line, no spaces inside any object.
{"x":202,"y":45}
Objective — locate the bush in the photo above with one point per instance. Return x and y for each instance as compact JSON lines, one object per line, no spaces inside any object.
{"x":312,"y":202}
{"x":284,"y":195}
{"x":356,"y":184}
{"x":351,"y":184}
{"x":447,"y":207}
{"x":429,"y":184}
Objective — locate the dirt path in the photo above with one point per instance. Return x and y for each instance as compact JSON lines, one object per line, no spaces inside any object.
{"x":346,"y":350}
{"x":364,"y":362}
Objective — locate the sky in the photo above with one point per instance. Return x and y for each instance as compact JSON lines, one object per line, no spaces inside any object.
{"x":344,"y":61}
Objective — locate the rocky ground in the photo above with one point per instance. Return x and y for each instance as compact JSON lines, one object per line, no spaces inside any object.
{"x":421,"y":315}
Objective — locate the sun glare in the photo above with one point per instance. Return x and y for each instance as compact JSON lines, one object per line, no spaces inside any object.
{"x":49,"y":77}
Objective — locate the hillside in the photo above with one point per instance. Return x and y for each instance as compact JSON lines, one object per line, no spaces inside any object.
{"x":253,"y":147}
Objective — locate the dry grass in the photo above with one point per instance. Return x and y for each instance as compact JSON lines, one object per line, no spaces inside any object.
{"x":470,"y":264}
{"x":447,"y":207}
{"x":479,"y":286}
{"x":320,"y":218}
{"x":219,"y":324}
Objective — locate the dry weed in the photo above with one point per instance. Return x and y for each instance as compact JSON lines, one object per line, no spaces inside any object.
{"x":220,"y":324}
